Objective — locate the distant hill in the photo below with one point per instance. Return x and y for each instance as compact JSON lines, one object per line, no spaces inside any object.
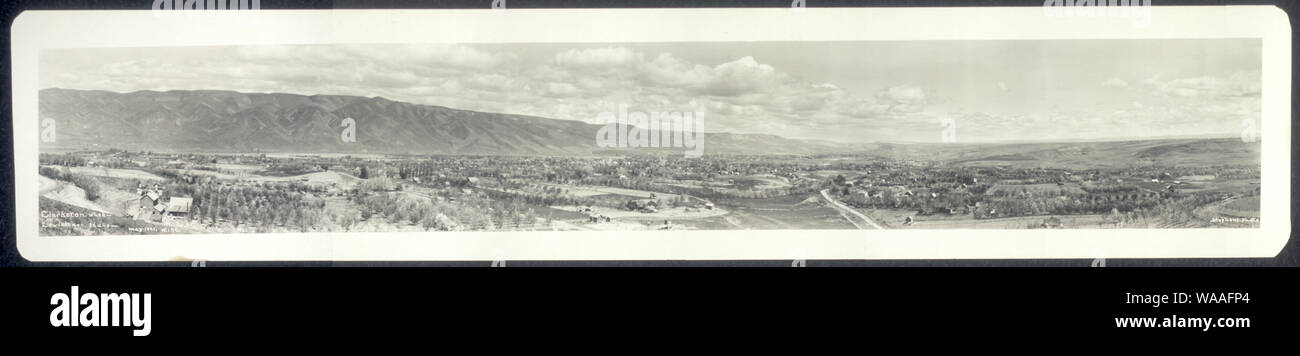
{"x":226,"y":121}
{"x":230,"y":122}
{"x":1184,"y":152}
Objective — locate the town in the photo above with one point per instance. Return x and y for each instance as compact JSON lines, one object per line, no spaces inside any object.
{"x":141,"y":192}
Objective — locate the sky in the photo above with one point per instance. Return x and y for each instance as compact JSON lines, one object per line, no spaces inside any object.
{"x":865,"y":91}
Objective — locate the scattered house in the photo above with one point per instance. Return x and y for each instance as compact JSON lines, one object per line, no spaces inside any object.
{"x":597,"y":218}
{"x":179,"y":207}
{"x":148,"y":199}
{"x":150,"y":208}
{"x":156,"y":213}
{"x":708,"y":206}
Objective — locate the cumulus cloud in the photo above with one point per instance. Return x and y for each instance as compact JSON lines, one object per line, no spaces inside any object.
{"x":742,"y":94}
{"x":598,"y":57}
{"x":737,"y":94}
{"x":1237,"y":84}
{"x":1114,"y":83}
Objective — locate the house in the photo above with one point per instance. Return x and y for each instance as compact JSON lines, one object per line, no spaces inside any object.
{"x":156,"y":213}
{"x":148,"y":199}
{"x":179,"y":207}
{"x":149,"y":207}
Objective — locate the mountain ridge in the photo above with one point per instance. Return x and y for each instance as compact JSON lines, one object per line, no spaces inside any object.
{"x":220,"y":121}
{"x":229,"y":121}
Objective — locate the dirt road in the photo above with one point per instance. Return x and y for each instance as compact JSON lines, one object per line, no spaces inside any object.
{"x":845,"y":208}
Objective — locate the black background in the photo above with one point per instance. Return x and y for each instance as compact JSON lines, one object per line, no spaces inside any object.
{"x":863,"y":304}
{"x":9,"y":255}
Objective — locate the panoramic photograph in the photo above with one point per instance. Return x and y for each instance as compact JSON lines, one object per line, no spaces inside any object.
{"x":987,"y":134}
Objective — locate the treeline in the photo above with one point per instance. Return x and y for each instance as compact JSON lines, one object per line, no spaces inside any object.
{"x":1000,"y":203}
{"x":469,"y":212}
{"x":286,"y":169}
{"x":71,"y":160}
{"x":1025,"y":207}
{"x":62,"y":160}
{"x":266,"y":205}
{"x":1182,"y":212}
{"x":707,"y":193}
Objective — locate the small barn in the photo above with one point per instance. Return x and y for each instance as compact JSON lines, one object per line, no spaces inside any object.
{"x":179,"y":207}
